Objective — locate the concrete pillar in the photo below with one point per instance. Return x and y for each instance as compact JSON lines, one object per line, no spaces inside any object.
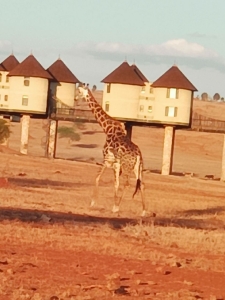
{"x":51,"y":138}
{"x":6,"y":141}
{"x":25,"y":120}
{"x":128,"y":128}
{"x":223,"y":161}
{"x":168,"y":150}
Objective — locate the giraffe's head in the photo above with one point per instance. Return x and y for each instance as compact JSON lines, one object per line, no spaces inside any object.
{"x":83,"y":93}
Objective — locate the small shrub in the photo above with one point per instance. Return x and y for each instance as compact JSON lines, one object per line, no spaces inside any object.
{"x":68,"y":132}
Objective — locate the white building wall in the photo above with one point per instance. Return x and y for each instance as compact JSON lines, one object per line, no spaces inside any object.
{"x":4,"y":90}
{"x":65,"y":92}
{"x":122,"y":100}
{"x":183,"y":105}
{"x":147,"y":104}
{"x":37,"y":93}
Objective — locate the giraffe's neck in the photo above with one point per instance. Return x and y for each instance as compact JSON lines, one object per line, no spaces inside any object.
{"x":108,"y":124}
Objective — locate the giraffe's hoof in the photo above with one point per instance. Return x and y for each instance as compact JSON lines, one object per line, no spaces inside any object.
{"x":143,"y":213}
{"x":115,"y":209}
{"x":92,"y":203}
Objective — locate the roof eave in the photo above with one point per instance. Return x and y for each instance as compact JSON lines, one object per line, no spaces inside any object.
{"x":139,"y":84}
{"x":26,"y":75}
{"x":175,"y":87}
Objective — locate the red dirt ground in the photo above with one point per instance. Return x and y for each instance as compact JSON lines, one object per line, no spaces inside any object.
{"x":84,"y":274}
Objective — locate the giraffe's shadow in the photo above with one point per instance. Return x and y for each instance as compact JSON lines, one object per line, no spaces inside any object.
{"x":99,"y":215}
{"x":89,"y":132}
{"x":115,"y":222}
{"x":91,"y":146}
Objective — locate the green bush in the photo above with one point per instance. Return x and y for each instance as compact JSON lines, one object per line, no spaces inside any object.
{"x":68,"y":132}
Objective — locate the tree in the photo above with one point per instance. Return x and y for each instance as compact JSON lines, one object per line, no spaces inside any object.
{"x":68,"y":132}
{"x":4,"y":131}
{"x":71,"y":132}
{"x":204,"y":96}
{"x":216,"y":97}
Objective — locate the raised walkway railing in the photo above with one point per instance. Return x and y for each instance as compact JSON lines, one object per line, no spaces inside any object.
{"x":199,"y":122}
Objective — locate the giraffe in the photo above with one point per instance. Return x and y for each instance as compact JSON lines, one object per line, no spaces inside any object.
{"x":119,"y":153}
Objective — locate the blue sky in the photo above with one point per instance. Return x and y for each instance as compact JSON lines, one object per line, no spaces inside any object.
{"x":93,"y":37}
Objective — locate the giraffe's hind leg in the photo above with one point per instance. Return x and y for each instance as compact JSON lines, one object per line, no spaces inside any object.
{"x":125,"y":188}
{"x":143,"y":199}
{"x":96,"y":193}
{"x":142,"y":188}
{"x":116,"y":169}
{"x":140,"y":185}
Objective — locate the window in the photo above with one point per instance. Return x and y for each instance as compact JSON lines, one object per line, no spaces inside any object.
{"x":108,"y":87}
{"x":7,"y":78}
{"x":0,"y":77}
{"x":26,"y":81}
{"x":107,"y":106}
{"x":172,"y":93}
{"x":25,"y":100}
{"x":141,"y":108}
{"x":171,"y":111}
{"x":150,"y":109}
{"x":6,"y":97}
{"x":151,"y":90}
{"x":143,"y":89}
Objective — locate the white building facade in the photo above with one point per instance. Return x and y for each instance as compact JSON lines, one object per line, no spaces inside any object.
{"x":5,"y":67}
{"x":129,"y":96}
{"x":63,"y":85}
{"x":29,"y":84}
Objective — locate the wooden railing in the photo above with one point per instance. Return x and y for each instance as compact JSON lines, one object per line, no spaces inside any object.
{"x":202,"y":123}
{"x":199,"y":122}
{"x":73,"y":114}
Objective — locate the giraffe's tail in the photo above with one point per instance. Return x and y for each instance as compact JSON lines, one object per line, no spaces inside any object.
{"x":139,"y":167}
{"x":138,"y":187}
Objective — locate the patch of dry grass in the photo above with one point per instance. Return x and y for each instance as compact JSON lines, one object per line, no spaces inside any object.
{"x":190,"y":240}
{"x":131,"y":242}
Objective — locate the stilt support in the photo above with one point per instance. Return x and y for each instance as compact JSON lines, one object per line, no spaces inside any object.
{"x":51,"y":138}
{"x":128,"y":128}
{"x":223,"y":161}
{"x":168,"y":150}
{"x":6,"y":140}
{"x":25,"y":122}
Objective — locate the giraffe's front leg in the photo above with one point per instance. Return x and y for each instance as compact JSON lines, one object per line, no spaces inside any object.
{"x":116,"y":168}
{"x":95,"y":193}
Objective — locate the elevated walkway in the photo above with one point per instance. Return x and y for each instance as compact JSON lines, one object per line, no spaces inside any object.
{"x":84,"y":114}
{"x":201,"y":117}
